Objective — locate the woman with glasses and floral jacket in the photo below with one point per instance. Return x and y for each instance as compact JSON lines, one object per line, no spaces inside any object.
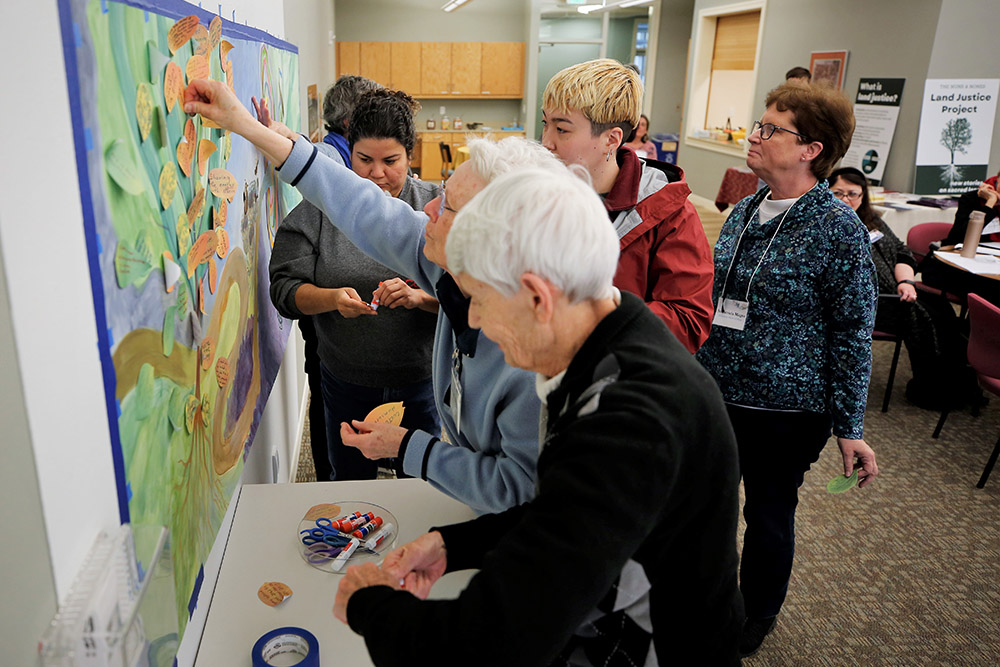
{"x":790,"y":344}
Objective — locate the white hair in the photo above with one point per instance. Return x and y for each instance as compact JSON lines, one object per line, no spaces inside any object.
{"x":491,"y":159}
{"x":548,"y":222}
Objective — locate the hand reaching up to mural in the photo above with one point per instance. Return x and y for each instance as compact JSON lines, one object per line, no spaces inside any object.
{"x":216,"y":101}
{"x":264,"y":117}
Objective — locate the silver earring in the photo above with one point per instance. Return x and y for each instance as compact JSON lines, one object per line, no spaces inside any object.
{"x":607,"y":158}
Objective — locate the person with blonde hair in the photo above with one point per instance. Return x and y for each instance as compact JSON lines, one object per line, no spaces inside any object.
{"x":587,"y":112}
{"x":627,"y":554}
{"x":488,"y":410}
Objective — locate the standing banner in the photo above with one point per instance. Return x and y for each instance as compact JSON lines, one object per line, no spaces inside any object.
{"x":956,"y":130}
{"x":876,"y":108}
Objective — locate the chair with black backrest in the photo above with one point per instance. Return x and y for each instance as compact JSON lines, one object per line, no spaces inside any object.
{"x":919,"y":240}
{"x":984,"y":357}
{"x":892,"y":338}
{"x":446,"y":168}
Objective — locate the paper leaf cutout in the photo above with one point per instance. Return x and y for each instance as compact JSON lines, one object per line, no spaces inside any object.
{"x":222,"y":248}
{"x":222,"y":371}
{"x":842,"y":483}
{"x":175,"y":409}
{"x":322,"y":511}
{"x":206,"y":410}
{"x":186,"y":148}
{"x":183,"y":235}
{"x":273,"y":593}
{"x":168,"y":330}
{"x":224,"y":49}
{"x":201,"y":297}
{"x":197,"y":67}
{"x":162,"y":119}
{"x":214,"y":32}
{"x":171,"y":271}
{"x":227,"y":146}
{"x":202,"y":249}
{"x":205,"y":149}
{"x":200,"y":38}
{"x":122,"y":169}
{"x":212,"y":276}
{"x":207,"y":353}
{"x":220,"y":217}
{"x":209,"y":124}
{"x":144,"y":109}
{"x":181,"y":32}
{"x":197,"y":207}
{"x":387,"y":413}
{"x":229,"y":74}
{"x":173,"y":85}
{"x":133,"y":263}
{"x":145,"y":387}
{"x":168,"y":184}
{"x":157,"y":61}
{"x":191,"y":406}
{"x":182,"y":300}
{"x":222,"y":184}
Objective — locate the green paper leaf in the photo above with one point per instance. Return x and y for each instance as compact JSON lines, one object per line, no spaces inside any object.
{"x":175,"y":412}
{"x":157,"y":62}
{"x":144,"y":389}
{"x":168,"y":330}
{"x":121,"y":168}
{"x":842,"y":483}
{"x":133,"y":264}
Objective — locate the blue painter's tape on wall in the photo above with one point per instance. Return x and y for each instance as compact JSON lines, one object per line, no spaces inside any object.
{"x":88,"y":140}
{"x":100,"y":246}
{"x":145,"y":15}
{"x":77,"y":38}
{"x":104,"y":6}
{"x":193,"y":602}
{"x":111,"y":344}
{"x":128,"y":490}
{"x":118,"y":407}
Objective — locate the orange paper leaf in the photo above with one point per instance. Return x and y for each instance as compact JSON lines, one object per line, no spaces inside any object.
{"x":181,"y":32}
{"x":273,"y":593}
{"x":197,"y":206}
{"x":224,"y":49}
{"x":201,"y":296}
{"x":207,"y":352}
{"x":185,"y":148}
{"x":220,"y":219}
{"x":229,"y":74}
{"x":387,"y":413}
{"x":210,"y":124}
{"x":197,"y":67}
{"x":168,"y":184}
{"x":222,"y":184}
{"x":214,"y":32}
{"x":205,"y":149}
{"x":200,"y":37}
{"x":222,"y":373}
{"x":173,"y":85}
{"x":212,"y":276}
{"x":202,"y":249}
{"x":322,"y":511}
{"x":222,"y":249}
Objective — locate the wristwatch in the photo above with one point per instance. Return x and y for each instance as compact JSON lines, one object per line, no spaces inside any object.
{"x":909,"y":282}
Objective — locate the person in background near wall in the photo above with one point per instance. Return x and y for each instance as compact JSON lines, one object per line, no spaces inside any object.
{"x":639,"y":141}
{"x":587,"y":111}
{"x":627,"y":554}
{"x":368,"y":357}
{"x":925,"y":320}
{"x":798,"y":75}
{"x":791,"y":339}
{"x":985,"y":199}
{"x":338,"y":105}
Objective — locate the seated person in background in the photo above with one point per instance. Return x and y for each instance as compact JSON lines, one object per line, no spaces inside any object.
{"x":985,"y":199}
{"x":925,"y":320}
{"x":338,"y":105}
{"x":587,"y":111}
{"x":488,"y":410}
{"x":368,"y":357}
{"x":626,"y":556}
{"x":639,"y":141}
{"x":799,"y":75}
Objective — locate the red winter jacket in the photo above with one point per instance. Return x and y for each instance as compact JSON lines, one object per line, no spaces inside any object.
{"x":665,"y":257}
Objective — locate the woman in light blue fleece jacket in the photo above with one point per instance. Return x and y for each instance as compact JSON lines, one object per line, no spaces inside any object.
{"x":490,"y":414}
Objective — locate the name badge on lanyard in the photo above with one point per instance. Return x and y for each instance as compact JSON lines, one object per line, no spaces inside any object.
{"x":456,"y":388}
{"x":731,"y":314}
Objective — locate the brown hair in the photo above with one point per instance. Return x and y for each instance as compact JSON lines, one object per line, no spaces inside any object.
{"x":855,"y":177}
{"x":822,"y":115}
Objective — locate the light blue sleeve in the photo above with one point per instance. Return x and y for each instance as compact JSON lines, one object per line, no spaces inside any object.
{"x":385,"y":228}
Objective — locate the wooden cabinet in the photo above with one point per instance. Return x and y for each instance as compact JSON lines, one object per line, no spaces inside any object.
{"x":438,"y":70}
{"x":430,"y":154}
{"x":502,"y":68}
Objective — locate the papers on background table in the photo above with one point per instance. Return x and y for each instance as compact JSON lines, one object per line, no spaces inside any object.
{"x":981,"y":265}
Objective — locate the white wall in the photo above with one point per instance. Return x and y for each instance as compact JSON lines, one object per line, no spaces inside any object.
{"x":58,"y":482}
{"x":309,"y":24}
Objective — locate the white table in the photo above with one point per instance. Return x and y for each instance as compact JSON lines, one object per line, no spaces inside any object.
{"x":263,"y":546}
{"x":901,"y":217}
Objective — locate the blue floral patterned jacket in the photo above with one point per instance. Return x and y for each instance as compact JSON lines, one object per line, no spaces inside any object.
{"x":806,"y":344}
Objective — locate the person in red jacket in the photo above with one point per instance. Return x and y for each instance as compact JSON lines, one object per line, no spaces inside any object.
{"x":587,"y":112}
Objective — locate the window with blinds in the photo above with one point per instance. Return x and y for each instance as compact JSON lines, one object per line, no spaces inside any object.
{"x":732,"y":71}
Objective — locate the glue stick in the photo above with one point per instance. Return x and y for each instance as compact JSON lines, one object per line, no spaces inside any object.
{"x":367,"y":529}
{"x":377,"y":538}
{"x":341,"y":559}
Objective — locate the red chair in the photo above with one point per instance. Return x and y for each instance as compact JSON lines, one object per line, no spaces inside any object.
{"x":920,"y":237}
{"x":984,"y":357}
{"x":891,"y":338}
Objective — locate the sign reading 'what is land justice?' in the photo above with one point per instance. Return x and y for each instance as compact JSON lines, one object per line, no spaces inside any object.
{"x":876,"y":109}
{"x":956,"y":131}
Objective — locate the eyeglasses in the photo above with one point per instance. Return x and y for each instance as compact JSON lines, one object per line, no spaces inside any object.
{"x":444,"y":206}
{"x":767,"y":130}
{"x":847,"y":196}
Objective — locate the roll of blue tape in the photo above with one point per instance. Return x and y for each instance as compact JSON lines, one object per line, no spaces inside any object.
{"x":296,"y":641}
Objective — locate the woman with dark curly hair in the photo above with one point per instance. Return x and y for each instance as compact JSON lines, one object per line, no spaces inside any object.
{"x":369,"y":354}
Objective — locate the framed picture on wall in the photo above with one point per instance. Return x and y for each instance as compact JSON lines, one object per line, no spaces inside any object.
{"x":828,"y":68}
{"x":312,"y":93}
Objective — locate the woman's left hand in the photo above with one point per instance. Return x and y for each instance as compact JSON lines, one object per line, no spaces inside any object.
{"x":356,"y":578}
{"x":374,"y":440}
{"x":907,"y":292}
{"x":396,"y":292}
{"x":858,"y":449}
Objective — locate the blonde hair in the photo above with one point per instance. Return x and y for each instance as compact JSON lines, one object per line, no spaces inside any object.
{"x":606,"y":92}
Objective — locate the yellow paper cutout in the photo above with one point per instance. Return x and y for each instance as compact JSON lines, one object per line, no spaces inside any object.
{"x":212,"y":276}
{"x":173,"y":85}
{"x":197,"y":206}
{"x":214,"y":32}
{"x":209,"y":124}
{"x":322,"y":511}
{"x":144,"y":109}
{"x":220,"y":219}
{"x":222,"y":184}
{"x":205,"y":149}
{"x":191,"y":406}
{"x":185,"y":148}
{"x":200,"y":38}
{"x":229,"y":75}
{"x":207,"y":352}
{"x":181,"y":32}
{"x":197,"y":67}
{"x":168,"y":184}
{"x":222,"y":248}
{"x":201,"y":296}
{"x":273,"y":593}
{"x":171,"y":271}
{"x":206,"y":410}
{"x":227,"y":146}
{"x":222,"y":371}
{"x":183,"y":235}
{"x":387,"y":413}
{"x":202,"y":249}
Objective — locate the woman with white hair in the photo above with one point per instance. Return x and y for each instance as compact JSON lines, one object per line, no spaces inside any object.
{"x":628,"y":550}
{"x":488,"y":410}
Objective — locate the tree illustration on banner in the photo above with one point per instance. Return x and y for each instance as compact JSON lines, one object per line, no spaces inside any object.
{"x":955,"y":136}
